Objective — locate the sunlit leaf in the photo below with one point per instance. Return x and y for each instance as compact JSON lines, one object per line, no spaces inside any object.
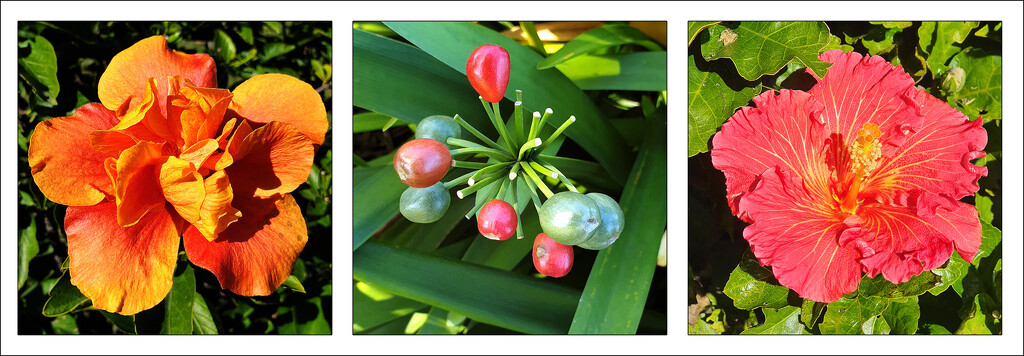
{"x":762,"y":48}
{"x":847,"y":316}
{"x":202,"y":320}
{"x":752,"y":286}
{"x":64,"y":298}
{"x":939,"y":40}
{"x":694,"y":28}
{"x":372,"y":307}
{"x":223,"y":46}
{"x":39,"y":68}
{"x":598,"y":38}
{"x":711,"y":103}
{"x":902,"y":318}
{"x":377,"y":198}
{"x":981,"y":95}
{"x":880,"y":287}
{"x":178,"y":304}
{"x":28,"y":247}
{"x":643,"y":71}
{"x":981,"y":319}
{"x":784,"y":321}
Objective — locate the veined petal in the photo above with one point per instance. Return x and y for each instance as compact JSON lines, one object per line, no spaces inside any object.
{"x":203,"y":115}
{"x":235,"y":142}
{"x":137,"y":187}
{"x":183,"y":187}
{"x":254,"y":255}
{"x":782,"y":130}
{"x":216,"y":213}
{"x":282,"y":98}
{"x":111,"y":143}
{"x":198,"y":153}
{"x":122,"y":84}
{"x":902,"y":241}
{"x":64,"y":165}
{"x":122,"y":269}
{"x":273,"y":159}
{"x":797,"y":236}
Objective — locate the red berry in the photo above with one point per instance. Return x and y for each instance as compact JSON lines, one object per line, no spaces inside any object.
{"x":497,"y":220}
{"x":422,"y":162}
{"x":550,"y":257}
{"x":488,"y":69}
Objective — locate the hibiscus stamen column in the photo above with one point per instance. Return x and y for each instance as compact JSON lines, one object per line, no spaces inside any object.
{"x":864,"y":154}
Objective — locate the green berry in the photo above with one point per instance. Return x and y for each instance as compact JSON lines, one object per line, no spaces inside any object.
{"x":612,"y":222}
{"x":569,"y":217}
{"x":438,"y":127}
{"x":424,"y":205}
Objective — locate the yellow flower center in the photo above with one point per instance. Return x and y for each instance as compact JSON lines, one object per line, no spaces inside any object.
{"x":865,"y":153}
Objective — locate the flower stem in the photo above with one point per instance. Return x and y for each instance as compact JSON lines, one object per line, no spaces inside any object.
{"x":527,"y":146}
{"x":533,"y":126}
{"x":543,"y":170}
{"x":470,"y":164}
{"x":540,"y":183}
{"x":515,"y":207}
{"x":498,"y":123}
{"x":460,"y":180}
{"x":560,"y":129}
{"x":518,"y":115}
{"x":487,"y":170}
{"x":477,"y":133}
{"x":512,"y":172}
{"x":490,"y":152}
{"x":462,"y":143}
{"x":561,"y":177}
{"x":533,"y":193}
{"x":467,"y":191}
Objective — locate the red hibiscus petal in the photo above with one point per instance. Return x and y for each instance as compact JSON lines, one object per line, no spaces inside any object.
{"x":255,"y":254}
{"x":122,"y":269}
{"x":795,"y":233}
{"x":782,"y":130}
{"x":282,"y":98}
{"x":123,"y":82}
{"x":64,"y":164}
{"x":273,"y":159}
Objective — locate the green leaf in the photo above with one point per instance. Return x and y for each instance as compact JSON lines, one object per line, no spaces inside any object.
{"x":785,"y":321}
{"x":934,"y":329}
{"x":875,"y":325}
{"x":879,"y":40}
{"x":245,"y":32}
{"x":452,"y":42}
{"x":293,"y":283}
{"x":39,"y":69}
{"x":124,"y":322}
{"x":616,"y":291}
{"x":377,"y":198}
{"x":28,"y":248}
{"x":307,"y":319}
{"x":596,"y":39}
{"x":202,"y":320}
{"x":847,"y":316}
{"x":643,"y":71}
{"x":981,"y":95}
{"x":902,"y":318}
{"x":880,"y":287}
{"x":276,"y":49}
{"x":179,"y":300}
{"x":752,"y":286}
{"x":990,"y":239}
{"x":810,"y":312}
{"x":694,"y":28}
{"x":984,"y":205}
{"x":372,"y":307}
{"x":762,"y":48}
{"x":952,"y":273}
{"x":64,"y":298}
{"x":980,"y":320}
{"x":526,"y":304}
{"x":939,"y":39}
{"x":711,"y":102}
{"x":442,"y":322}
{"x":223,"y":46}
{"x":371,"y":121}
{"x":893,"y":24}
{"x":64,"y":325}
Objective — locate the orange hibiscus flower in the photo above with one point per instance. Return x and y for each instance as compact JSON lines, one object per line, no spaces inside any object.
{"x":166,"y":157}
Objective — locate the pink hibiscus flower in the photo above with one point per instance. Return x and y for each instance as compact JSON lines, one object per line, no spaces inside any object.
{"x":863,"y":173}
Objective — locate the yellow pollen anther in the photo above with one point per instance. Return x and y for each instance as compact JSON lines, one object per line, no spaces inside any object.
{"x":865,"y":152}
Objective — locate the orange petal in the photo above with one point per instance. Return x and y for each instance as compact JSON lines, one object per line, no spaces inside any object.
{"x":199,"y":152}
{"x":182,"y":186}
{"x":243,"y":130}
{"x":64,"y":165}
{"x":111,"y":143}
{"x":283,"y":98}
{"x":254,"y":255}
{"x":137,"y":187}
{"x":273,"y":159}
{"x":146,"y":108}
{"x":203,"y":115}
{"x":122,"y":269}
{"x":216,"y":213}
{"x":124,"y":80}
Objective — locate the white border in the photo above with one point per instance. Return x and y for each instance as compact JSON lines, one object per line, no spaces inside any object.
{"x":677,"y":14}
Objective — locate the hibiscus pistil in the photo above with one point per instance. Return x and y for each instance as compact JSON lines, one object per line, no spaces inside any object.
{"x":865,"y":153}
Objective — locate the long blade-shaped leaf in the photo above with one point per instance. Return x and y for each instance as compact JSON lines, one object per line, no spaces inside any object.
{"x":598,"y":38}
{"x":632,"y":71}
{"x":489,"y":295}
{"x":376,"y":199}
{"x":452,"y":42}
{"x":616,"y":291}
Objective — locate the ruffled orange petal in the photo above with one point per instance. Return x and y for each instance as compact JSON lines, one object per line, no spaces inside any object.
{"x":204,"y":113}
{"x":182,"y":186}
{"x":216,"y":213}
{"x":64,"y":165}
{"x":111,"y":143}
{"x":273,"y":159}
{"x":122,"y":269}
{"x":254,"y":255}
{"x":283,"y":98}
{"x":243,"y":130}
{"x":122,"y":85}
{"x":199,"y":152}
{"x":137,"y":188}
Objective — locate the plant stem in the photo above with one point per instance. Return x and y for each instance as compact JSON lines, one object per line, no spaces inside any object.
{"x":518,"y":115}
{"x":515,"y":207}
{"x":487,"y":170}
{"x":512,"y":172}
{"x":527,"y":146}
{"x":490,"y":152}
{"x":467,"y":191}
{"x":532,"y":38}
{"x":499,"y":123}
{"x":460,"y":180}
{"x":543,"y":170}
{"x":540,"y":183}
{"x":533,"y":193}
{"x":565,"y":125}
{"x":477,"y":133}
{"x":470,"y":164}
{"x":561,"y":177}
{"x":491,"y":193}
{"x":461,"y":143}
